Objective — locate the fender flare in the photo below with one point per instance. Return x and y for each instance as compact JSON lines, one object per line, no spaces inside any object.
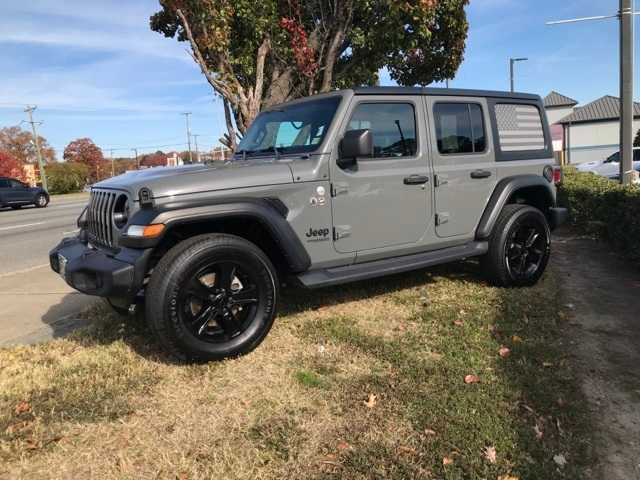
{"x":270,"y":213}
{"x":501,"y":194}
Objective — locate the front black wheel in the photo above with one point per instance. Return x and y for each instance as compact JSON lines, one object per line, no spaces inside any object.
{"x":42,"y":200}
{"x":519,"y":247}
{"x":212,"y":297}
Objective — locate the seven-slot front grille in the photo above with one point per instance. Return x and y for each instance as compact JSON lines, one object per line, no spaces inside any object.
{"x":100,"y":217}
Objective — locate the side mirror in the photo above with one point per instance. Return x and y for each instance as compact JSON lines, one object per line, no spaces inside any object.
{"x":354,"y":144}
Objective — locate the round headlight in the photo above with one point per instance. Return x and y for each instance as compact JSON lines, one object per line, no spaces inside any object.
{"x":121,"y":211}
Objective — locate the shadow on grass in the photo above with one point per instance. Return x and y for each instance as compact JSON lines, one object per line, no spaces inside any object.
{"x":106,"y":326}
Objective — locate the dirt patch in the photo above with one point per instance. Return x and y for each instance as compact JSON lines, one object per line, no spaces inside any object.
{"x":602,"y":295}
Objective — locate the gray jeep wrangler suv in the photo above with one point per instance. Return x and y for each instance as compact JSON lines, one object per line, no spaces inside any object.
{"x":339,"y":187}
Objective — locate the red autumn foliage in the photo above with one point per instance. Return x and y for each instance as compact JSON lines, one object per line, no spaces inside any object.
{"x":11,"y":166}
{"x":84,"y":151}
{"x":302,"y":52}
{"x":158,"y":159}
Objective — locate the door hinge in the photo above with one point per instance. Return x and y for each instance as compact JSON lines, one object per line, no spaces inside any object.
{"x":442,"y":218}
{"x":341,"y":231}
{"x":440,"y":180}
{"x":338,"y":189}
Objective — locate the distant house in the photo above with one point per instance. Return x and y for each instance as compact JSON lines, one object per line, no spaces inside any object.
{"x":558,"y":106}
{"x":592,"y":132}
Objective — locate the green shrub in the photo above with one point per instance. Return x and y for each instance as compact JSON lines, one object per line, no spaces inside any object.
{"x":66,"y":177}
{"x":605,"y":208}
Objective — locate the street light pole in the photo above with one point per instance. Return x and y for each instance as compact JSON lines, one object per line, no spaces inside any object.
{"x":512,"y":62}
{"x":135,"y":150}
{"x":195,"y":139}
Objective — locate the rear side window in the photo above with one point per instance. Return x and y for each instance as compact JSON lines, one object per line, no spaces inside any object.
{"x":459,"y":128}
{"x":4,"y":183}
{"x":393,"y":126}
{"x":519,"y":127}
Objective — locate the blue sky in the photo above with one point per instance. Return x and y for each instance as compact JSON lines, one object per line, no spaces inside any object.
{"x":96,"y":70}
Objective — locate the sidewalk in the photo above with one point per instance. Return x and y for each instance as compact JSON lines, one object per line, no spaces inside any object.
{"x":37,"y":305}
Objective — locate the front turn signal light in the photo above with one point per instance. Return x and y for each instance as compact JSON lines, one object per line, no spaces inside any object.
{"x":145,"y":231}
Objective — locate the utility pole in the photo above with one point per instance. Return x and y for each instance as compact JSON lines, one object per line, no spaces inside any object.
{"x":626,"y":91}
{"x":113,"y":164}
{"x":135,"y":150}
{"x":625,"y":16}
{"x":195,"y":139}
{"x":43,"y":174}
{"x":512,"y":62}
{"x":186,"y":115}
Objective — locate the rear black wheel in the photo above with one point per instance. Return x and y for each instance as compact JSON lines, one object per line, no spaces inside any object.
{"x":212,"y":297}
{"x":519,"y":247}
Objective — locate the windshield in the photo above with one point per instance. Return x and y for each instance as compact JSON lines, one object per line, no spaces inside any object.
{"x":296,"y":128}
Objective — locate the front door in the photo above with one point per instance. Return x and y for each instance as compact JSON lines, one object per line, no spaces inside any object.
{"x":463,"y":163}
{"x":19,"y":192}
{"x":384,"y":200}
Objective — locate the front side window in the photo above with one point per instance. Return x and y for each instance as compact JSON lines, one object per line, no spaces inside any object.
{"x":16,"y":184}
{"x":298,"y":128}
{"x":392,"y":125}
{"x":615,"y":158}
{"x":459,"y":128}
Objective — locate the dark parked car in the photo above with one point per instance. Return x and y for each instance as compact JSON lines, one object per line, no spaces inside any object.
{"x":15,"y":194}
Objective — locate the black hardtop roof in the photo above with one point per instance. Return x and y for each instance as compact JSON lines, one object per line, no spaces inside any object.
{"x":449,"y":92}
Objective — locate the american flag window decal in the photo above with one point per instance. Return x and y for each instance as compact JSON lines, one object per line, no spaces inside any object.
{"x":519,"y":128}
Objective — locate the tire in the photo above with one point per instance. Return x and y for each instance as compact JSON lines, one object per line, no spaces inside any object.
{"x":41,"y":201}
{"x":212,"y":297}
{"x":519,"y":247}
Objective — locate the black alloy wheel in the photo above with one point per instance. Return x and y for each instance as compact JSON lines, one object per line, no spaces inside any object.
{"x":219,"y":301}
{"x":526,"y":250}
{"x":519,"y":247}
{"x":212,"y":297}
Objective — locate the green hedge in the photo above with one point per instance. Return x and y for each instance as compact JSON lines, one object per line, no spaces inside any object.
{"x":66,"y":177}
{"x":604,"y":208}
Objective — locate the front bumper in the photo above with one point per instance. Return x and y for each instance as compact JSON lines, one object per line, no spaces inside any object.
{"x":99,"y":272}
{"x":557,"y":216}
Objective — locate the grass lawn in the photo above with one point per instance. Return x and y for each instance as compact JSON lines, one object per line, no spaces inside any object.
{"x":361,"y":381}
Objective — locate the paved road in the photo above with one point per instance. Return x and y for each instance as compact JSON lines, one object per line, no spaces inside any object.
{"x":36,"y":304}
{"x":27,"y":235}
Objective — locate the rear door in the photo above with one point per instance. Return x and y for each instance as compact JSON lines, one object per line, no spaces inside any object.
{"x":463,"y":162}
{"x":385,"y":200}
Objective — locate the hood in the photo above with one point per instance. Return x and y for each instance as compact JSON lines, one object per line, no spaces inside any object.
{"x":186,"y":179}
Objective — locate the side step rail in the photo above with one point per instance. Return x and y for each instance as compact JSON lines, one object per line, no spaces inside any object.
{"x":389,"y":266}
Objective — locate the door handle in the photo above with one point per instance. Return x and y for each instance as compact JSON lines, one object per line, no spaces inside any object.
{"x":480,"y":174}
{"x":416,"y":180}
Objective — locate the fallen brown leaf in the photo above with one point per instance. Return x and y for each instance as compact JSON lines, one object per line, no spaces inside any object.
{"x":490,"y":454}
{"x":428,"y":431}
{"x":458,"y":323}
{"x":471,"y":379}
{"x":344,"y":446}
{"x":402,"y":450}
{"x":371,"y":402}
{"x":504,"y":352}
{"x":447,"y":461}
{"x":507,"y":477}
{"x":516,"y":339}
{"x":22,"y":407}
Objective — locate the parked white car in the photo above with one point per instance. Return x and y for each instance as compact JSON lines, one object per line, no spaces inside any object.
{"x":609,"y":167}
